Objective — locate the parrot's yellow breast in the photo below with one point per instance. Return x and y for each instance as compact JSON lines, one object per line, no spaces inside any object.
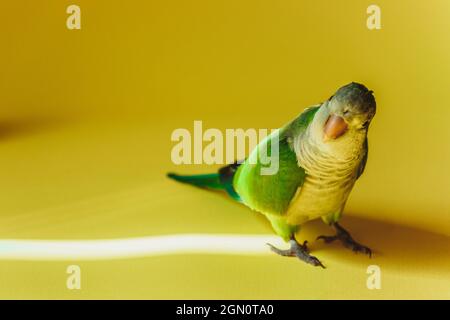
{"x":328,"y":181}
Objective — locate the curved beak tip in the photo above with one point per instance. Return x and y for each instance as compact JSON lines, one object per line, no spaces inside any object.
{"x":335,"y":127}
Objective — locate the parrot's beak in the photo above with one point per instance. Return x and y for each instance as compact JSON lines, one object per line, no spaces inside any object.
{"x":334,"y":128}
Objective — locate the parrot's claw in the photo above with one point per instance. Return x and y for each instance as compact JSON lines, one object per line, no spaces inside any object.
{"x":327,"y":239}
{"x":346,"y":239}
{"x":356,"y":247}
{"x":298,"y":250}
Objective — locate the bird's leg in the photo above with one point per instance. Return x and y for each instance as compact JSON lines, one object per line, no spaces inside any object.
{"x":298,"y":250}
{"x":346,"y":239}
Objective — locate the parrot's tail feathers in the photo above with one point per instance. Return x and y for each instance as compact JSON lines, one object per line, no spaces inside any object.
{"x":223,"y":180}
{"x":211,"y":181}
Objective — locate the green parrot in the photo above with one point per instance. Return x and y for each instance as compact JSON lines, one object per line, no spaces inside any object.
{"x":321,"y":154}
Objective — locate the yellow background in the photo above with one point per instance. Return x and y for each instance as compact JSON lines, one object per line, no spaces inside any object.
{"x":86,"y":117}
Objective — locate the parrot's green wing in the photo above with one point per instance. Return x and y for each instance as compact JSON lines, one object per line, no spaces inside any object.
{"x":272,"y":194}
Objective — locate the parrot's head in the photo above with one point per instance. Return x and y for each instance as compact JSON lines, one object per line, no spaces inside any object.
{"x":350,"y":109}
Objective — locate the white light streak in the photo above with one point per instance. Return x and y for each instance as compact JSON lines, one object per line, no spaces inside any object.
{"x":123,"y":248}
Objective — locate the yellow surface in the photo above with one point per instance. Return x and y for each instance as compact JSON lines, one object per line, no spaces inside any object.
{"x":85,"y":128}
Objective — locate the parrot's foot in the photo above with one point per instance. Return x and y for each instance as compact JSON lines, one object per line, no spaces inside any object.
{"x":298,"y":250}
{"x":348,"y":242}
